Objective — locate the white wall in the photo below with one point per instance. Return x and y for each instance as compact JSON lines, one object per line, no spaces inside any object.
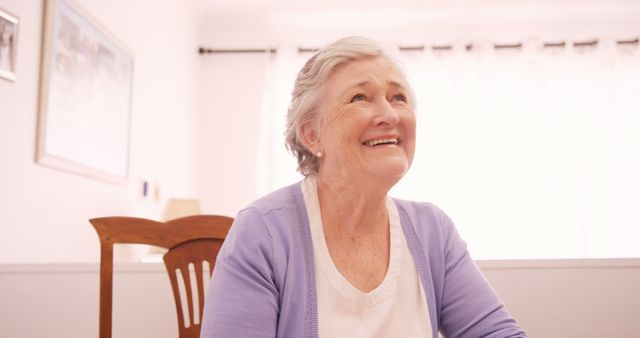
{"x":45,"y":211}
{"x":253,"y":23}
{"x":549,"y":299}
{"x":570,"y":298}
{"x":228,"y":122}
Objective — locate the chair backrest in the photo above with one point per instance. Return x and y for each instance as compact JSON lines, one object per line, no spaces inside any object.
{"x":186,"y":264}
{"x":191,"y":241}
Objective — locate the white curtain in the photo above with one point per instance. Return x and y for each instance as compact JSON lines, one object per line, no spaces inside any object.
{"x":533,"y":152}
{"x":276,"y":166}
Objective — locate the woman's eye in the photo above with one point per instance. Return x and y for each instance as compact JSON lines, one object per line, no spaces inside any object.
{"x":399,"y":97}
{"x":358,"y":97}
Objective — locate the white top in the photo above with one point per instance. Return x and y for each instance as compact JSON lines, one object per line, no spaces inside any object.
{"x":396,"y":308}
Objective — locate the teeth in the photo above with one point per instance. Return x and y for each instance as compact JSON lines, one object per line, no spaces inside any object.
{"x":380,"y":141}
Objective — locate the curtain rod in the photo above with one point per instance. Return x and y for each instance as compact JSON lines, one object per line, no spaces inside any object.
{"x":421,"y":48}
{"x":203,"y":50}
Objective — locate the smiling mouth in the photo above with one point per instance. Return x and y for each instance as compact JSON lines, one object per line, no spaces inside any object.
{"x":382,"y":141}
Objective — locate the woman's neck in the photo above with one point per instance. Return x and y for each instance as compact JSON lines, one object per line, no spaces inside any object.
{"x":351,"y":205}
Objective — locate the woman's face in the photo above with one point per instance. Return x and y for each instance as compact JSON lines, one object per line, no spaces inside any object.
{"x":367,"y":124}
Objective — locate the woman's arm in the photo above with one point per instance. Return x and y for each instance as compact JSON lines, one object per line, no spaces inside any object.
{"x":242,"y":300}
{"x":470,"y":306}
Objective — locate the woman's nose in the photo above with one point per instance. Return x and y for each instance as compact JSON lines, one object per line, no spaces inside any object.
{"x":385,"y":114}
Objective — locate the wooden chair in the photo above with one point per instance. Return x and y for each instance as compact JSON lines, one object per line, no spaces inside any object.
{"x":190,"y":240}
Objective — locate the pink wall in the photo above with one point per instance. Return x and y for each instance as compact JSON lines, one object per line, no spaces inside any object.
{"x":45,"y":211}
{"x":195,"y":119}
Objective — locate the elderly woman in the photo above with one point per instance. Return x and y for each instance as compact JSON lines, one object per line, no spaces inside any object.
{"x":334,"y":255}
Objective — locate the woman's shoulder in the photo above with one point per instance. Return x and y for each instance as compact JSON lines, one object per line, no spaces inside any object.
{"x":427,"y":219}
{"x":283,"y":199}
{"x":272,"y":215}
{"x":420,"y":210}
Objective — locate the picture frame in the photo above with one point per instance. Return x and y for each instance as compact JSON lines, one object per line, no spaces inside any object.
{"x":86,"y":79}
{"x":8,"y":44}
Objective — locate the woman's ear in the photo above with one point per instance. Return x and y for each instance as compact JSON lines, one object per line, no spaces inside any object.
{"x":310,"y":137}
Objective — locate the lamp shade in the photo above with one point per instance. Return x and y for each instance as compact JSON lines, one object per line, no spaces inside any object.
{"x":176,"y":208}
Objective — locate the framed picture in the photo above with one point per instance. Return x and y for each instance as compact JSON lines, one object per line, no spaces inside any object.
{"x":85,"y":96}
{"x":8,"y":45}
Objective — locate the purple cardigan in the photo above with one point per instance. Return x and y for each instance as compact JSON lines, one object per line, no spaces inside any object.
{"x":264,"y":282}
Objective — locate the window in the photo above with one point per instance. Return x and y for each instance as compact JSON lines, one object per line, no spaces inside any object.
{"x":533,"y":152}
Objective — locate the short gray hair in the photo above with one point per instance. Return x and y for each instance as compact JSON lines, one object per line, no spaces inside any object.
{"x":304,"y":108}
